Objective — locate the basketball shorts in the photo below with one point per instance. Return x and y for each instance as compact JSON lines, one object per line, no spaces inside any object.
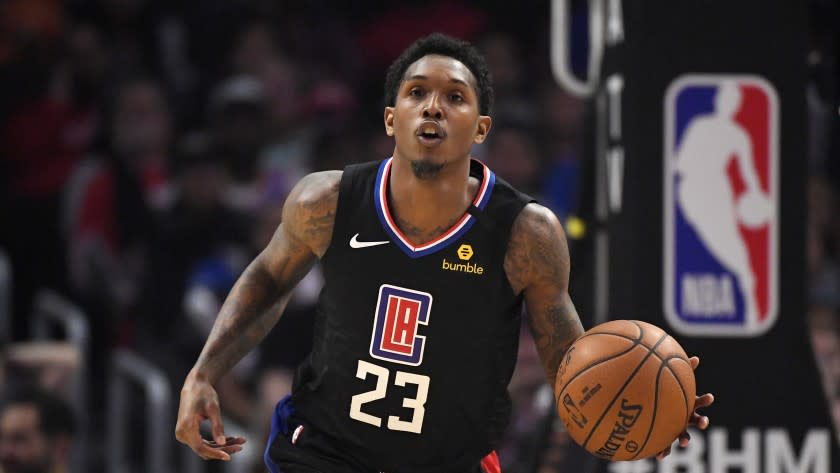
{"x":294,"y":446}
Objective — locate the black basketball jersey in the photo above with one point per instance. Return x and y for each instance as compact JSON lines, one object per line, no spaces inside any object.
{"x":414,"y":345}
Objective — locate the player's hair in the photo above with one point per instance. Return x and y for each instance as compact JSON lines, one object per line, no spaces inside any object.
{"x":55,"y":415}
{"x":442,"y":45}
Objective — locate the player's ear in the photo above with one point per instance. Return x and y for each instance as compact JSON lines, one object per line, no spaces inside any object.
{"x":389,"y":121}
{"x":484,"y":125}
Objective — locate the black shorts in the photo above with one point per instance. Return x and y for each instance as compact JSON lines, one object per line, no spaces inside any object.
{"x":296,"y":447}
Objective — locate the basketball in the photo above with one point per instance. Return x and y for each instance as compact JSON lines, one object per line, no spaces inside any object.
{"x":625,"y":390}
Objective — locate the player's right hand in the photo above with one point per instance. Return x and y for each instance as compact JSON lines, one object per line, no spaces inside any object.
{"x":199,"y":402}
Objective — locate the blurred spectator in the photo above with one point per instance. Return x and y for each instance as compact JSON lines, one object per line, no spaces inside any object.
{"x":287,"y":154}
{"x":561,"y":121}
{"x":199,"y":238}
{"x":255,"y":47}
{"x":44,"y":135}
{"x":239,"y":130}
{"x":514,"y":102}
{"x":107,"y":215}
{"x":512,"y":153}
{"x":281,"y":81}
{"x":36,"y":432}
{"x":110,"y":198}
{"x":142,"y":135}
{"x":336,"y":149}
{"x":332,"y":104}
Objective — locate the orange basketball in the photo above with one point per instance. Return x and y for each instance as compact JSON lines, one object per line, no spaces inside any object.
{"x":625,"y":390}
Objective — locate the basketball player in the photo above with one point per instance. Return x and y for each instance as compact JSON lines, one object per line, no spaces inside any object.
{"x":427,"y":257}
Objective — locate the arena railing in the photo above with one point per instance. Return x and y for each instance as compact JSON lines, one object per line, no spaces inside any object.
{"x":52,"y":310}
{"x":127,"y":371}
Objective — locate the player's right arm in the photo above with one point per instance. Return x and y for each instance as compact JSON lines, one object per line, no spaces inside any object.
{"x":254,"y":305}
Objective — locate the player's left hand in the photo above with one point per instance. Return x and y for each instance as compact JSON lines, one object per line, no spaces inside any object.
{"x":696,"y":420}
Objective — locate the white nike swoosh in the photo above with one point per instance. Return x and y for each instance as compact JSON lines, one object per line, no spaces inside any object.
{"x":354,"y":243}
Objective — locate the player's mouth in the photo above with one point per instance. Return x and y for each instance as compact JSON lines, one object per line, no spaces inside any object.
{"x":430,"y":133}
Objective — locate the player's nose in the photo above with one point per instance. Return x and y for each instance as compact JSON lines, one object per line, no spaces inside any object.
{"x":432,"y":108}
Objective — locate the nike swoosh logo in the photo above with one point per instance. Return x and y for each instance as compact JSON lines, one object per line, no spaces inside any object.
{"x":354,"y":243}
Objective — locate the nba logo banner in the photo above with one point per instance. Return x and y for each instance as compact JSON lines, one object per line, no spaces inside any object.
{"x":721,"y":196}
{"x":399,"y":314}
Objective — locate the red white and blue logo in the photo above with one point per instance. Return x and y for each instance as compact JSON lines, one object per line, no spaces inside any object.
{"x":721,"y":195}
{"x":399,"y":314}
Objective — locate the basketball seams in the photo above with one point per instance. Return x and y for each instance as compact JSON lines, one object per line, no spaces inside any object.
{"x":594,"y":364}
{"x":623,"y":387}
{"x":641,"y":329}
{"x":679,"y":383}
{"x":621,"y":335}
{"x":637,"y":341}
{"x":655,"y":405}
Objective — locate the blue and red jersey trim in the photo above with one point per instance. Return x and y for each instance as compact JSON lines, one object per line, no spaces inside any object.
{"x":455,"y":231}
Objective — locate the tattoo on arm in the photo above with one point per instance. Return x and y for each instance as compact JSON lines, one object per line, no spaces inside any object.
{"x":555,"y":329}
{"x":319,"y":220}
{"x":310,"y":215}
{"x":259,"y":296}
{"x":250,"y":311}
{"x":537,"y":264}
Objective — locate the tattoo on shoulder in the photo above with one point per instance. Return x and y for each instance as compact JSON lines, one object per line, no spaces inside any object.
{"x":310,"y":209}
{"x":537,"y":250}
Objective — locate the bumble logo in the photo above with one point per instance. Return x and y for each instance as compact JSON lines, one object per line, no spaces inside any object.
{"x":465,"y":252}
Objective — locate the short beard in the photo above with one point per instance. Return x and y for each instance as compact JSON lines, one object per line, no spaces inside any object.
{"x":425,"y":169}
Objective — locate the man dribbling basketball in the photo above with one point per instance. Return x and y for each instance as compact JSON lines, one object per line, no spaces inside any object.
{"x":427,"y":258}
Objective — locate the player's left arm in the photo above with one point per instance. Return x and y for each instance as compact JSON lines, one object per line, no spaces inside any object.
{"x":537,"y":265}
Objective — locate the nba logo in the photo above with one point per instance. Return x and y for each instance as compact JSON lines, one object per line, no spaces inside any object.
{"x":399,"y":314}
{"x":721,"y":197}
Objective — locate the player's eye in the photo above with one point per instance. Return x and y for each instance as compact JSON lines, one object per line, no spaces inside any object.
{"x":456,"y":97}
{"x":416,"y":92}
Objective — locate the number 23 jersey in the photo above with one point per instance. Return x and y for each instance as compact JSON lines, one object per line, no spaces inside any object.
{"x":414,"y":346}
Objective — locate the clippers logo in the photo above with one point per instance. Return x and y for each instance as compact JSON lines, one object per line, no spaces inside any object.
{"x":399,"y":313}
{"x":721,"y":197}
